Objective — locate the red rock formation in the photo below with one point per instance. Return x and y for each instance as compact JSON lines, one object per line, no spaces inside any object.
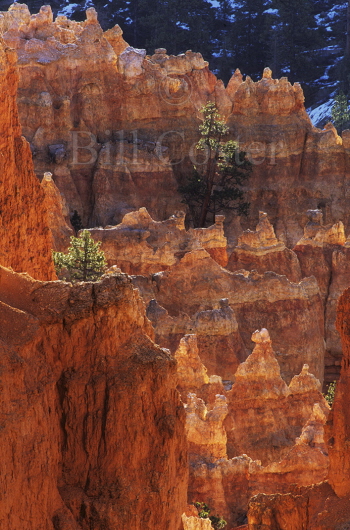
{"x":92,"y":426}
{"x":293,"y":311}
{"x":319,"y":507}
{"x":322,"y":253}
{"x":58,"y":216}
{"x":205,"y":432}
{"x":278,"y":512}
{"x":266,"y":416}
{"x":159,"y":96}
{"x":191,"y":372}
{"x":314,"y":250}
{"x":219,"y":342}
{"x":339,"y":422}
{"x":140,"y":245}
{"x":226,"y":485}
{"x":262,"y":251}
{"x":340,"y":270}
{"x":122,"y":125}
{"x":312,"y":508}
{"x":193,"y":522}
{"x":26,"y":240}
{"x":270,"y":122}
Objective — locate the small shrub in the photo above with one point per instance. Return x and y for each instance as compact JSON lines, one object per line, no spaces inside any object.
{"x":217,"y":522}
{"x":329,"y":395}
{"x":83,"y":262}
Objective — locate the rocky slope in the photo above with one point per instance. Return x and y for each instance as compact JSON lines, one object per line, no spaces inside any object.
{"x":292,"y":311}
{"x":92,"y":427}
{"x":141,"y":245}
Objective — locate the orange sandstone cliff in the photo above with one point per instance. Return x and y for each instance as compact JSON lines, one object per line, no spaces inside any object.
{"x":92,"y":426}
{"x":322,"y":506}
{"x":26,"y":240}
{"x":261,"y":436}
{"x":117,"y":126}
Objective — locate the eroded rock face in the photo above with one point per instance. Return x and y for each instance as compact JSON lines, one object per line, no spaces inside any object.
{"x":273,"y":413}
{"x":339,"y":422}
{"x":293,"y":312}
{"x":193,"y":522}
{"x":262,"y":251}
{"x":25,"y":238}
{"x":137,"y":116}
{"x":288,"y":154}
{"x":265,"y":415}
{"x":218,"y":339}
{"x":315,"y":248}
{"x":90,"y":401}
{"x":323,"y":252}
{"x":319,"y":507}
{"x":58,"y":214}
{"x":205,"y":431}
{"x":114,"y":110}
{"x":140,"y":245}
{"x":312,"y":508}
{"x":191,"y":372}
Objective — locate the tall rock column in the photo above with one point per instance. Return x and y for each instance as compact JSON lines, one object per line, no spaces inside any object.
{"x":25,"y":237}
{"x":339,"y":421}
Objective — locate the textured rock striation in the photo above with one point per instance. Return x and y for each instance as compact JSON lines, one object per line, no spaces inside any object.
{"x":205,"y":431}
{"x":104,"y":124}
{"x":315,"y":248}
{"x":339,"y":422}
{"x":262,"y":251}
{"x":323,"y":252}
{"x":325,"y":506}
{"x":294,"y":312}
{"x":58,"y":214}
{"x":265,"y":415}
{"x":140,"y":245}
{"x":288,"y":154}
{"x":117,"y":127}
{"x":26,"y":241}
{"x":218,"y":341}
{"x":90,"y":416}
{"x":279,"y":425}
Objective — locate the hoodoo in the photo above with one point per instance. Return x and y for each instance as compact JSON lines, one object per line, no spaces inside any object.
{"x":188,"y":387}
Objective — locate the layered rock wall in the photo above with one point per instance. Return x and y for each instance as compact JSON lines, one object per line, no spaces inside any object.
{"x":117,"y":127}
{"x":140,"y":245}
{"x":339,"y":423}
{"x":294,"y":312}
{"x":325,"y":506}
{"x":262,"y":251}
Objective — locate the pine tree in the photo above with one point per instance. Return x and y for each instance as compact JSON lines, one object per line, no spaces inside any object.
{"x":341,"y":112}
{"x":218,"y":184}
{"x":83,"y":262}
{"x":250,"y":36}
{"x":299,"y":40}
{"x":76,"y":221}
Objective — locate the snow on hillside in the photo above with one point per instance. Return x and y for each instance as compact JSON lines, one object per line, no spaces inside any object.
{"x":322,"y":113}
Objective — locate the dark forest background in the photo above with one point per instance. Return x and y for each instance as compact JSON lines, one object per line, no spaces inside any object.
{"x":305,"y":40}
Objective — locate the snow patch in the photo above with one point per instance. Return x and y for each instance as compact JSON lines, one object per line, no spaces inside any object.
{"x":68,"y":10}
{"x":321,"y":113}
